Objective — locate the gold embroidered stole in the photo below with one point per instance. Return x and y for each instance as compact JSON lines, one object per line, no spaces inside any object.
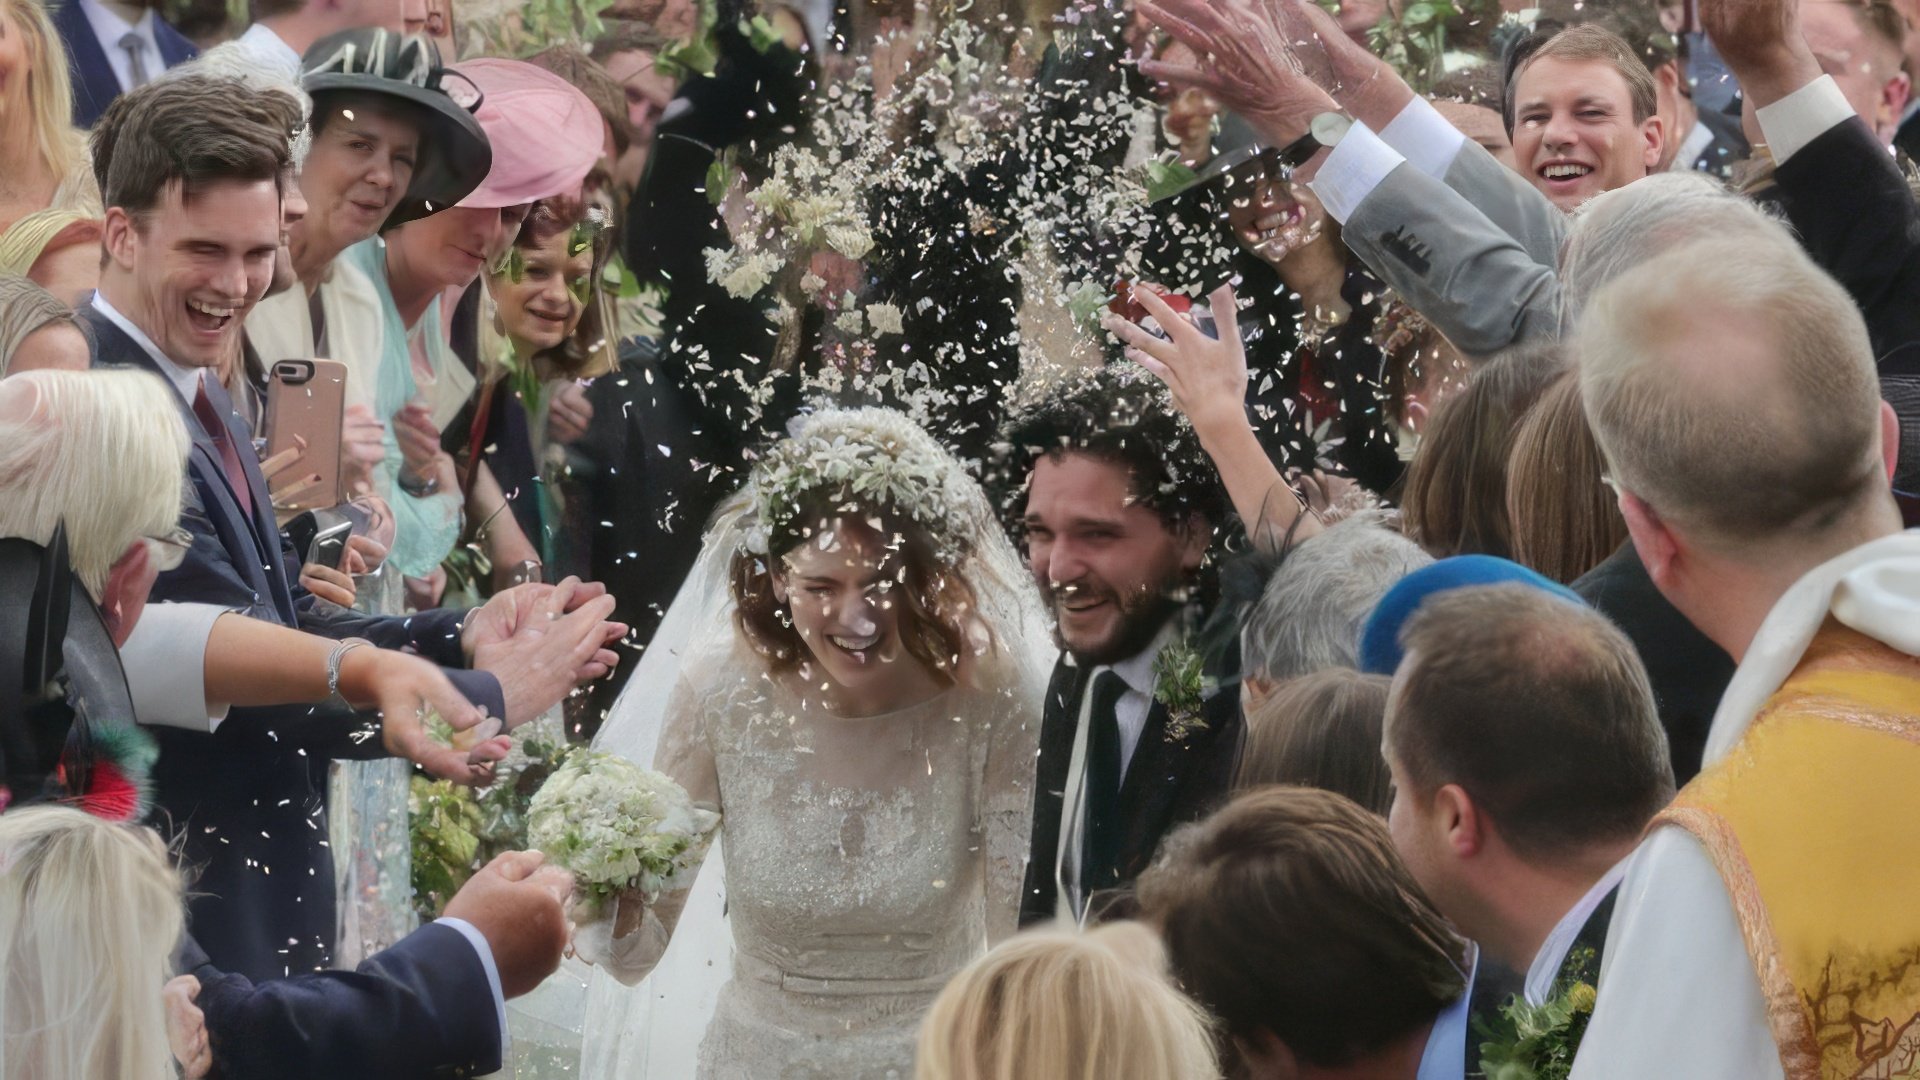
{"x":1813,"y":820}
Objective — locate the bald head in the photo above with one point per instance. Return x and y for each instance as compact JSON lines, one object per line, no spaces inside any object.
{"x":1731,"y":386}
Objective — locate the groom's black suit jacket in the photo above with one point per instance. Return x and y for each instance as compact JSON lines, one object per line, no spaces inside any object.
{"x":249,"y":801}
{"x":1169,"y":782}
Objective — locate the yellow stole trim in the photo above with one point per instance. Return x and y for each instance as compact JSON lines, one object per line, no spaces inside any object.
{"x":1813,"y":821}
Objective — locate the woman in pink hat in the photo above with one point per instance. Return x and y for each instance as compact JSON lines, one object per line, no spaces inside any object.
{"x":546,"y":136}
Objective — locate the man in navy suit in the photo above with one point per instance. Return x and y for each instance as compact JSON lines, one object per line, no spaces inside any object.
{"x":114,"y":46}
{"x":192,"y":173}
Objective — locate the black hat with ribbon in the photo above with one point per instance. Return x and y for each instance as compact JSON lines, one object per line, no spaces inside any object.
{"x":454,"y":154}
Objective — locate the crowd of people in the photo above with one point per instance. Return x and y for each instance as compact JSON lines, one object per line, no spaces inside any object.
{"x":1180,"y":538}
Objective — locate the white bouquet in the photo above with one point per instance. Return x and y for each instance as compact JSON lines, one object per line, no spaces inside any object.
{"x":617,"y":826}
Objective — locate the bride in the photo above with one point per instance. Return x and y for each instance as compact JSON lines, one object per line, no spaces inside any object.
{"x":859,"y":696}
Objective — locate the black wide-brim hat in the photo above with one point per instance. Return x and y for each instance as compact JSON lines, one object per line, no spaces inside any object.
{"x":454,"y":154}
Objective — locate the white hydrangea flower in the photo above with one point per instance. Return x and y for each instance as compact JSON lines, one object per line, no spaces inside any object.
{"x":616,"y":825}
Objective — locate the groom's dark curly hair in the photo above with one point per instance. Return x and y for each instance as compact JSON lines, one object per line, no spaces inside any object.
{"x":1118,"y":413}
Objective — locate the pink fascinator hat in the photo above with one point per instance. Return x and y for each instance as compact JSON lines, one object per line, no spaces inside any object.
{"x":546,"y":135}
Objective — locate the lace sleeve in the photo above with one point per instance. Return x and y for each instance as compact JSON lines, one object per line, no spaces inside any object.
{"x":1006,"y":800}
{"x":685,"y":755}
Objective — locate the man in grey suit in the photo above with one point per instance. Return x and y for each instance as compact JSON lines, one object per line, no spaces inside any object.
{"x":1474,"y":246}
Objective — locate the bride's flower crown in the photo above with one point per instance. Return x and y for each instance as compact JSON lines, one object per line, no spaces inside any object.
{"x":872,"y":457}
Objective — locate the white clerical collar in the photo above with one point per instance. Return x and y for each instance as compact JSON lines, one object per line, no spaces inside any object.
{"x":1137,"y":670}
{"x":1871,"y":589}
{"x":1553,"y":951}
{"x":186,"y":380}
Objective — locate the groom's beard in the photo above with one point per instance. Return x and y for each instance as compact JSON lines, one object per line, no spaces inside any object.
{"x":1141,"y":616}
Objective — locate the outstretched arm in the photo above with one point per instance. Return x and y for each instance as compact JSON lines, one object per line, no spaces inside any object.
{"x":1208,"y":378}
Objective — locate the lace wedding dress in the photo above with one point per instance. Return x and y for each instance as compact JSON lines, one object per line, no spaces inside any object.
{"x":867,"y":860}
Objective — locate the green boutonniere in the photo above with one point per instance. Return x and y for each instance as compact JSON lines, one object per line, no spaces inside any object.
{"x":1180,"y":683}
{"x":1538,"y":1042}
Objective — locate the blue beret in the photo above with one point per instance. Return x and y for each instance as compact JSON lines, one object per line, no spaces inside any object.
{"x":1380,"y":641}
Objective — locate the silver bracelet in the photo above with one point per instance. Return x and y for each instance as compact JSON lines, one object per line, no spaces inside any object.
{"x":340,"y":651}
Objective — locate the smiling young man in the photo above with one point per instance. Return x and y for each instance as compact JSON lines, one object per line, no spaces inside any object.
{"x":1583,"y":116}
{"x":1118,"y":506}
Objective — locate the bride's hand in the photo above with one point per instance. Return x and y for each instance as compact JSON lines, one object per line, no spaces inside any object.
{"x":629,"y":912}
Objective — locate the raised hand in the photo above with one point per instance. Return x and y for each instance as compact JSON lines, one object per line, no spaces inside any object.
{"x":328,"y":584}
{"x":187,"y":1027}
{"x":1208,"y":379}
{"x":362,"y":448}
{"x":569,"y":414}
{"x":1247,"y":58}
{"x":552,"y":649}
{"x":1207,"y":375}
{"x":1762,"y":44}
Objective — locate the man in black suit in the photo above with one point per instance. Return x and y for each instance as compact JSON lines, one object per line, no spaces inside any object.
{"x":192,"y":229}
{"x":114,"y":46}
{"x":1526,"y":759}
{"x":1119,"y":508}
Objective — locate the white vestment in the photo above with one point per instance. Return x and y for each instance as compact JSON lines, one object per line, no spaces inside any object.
{"x":1678,"y":992}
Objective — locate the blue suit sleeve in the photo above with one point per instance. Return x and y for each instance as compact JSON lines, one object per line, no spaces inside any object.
{"x":421,"y":1008}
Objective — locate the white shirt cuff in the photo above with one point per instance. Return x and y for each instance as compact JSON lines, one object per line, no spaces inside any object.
{"x":166,"y":663}
{"x":1426,"y":139}
{"x":479,"y":942}
{"x":1802,"y":116}
{"x":1353,"y":170}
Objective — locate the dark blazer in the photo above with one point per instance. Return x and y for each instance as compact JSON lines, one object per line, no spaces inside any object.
{"x":1856,"y":216}
{"x":94,"y":84}
{"x":421,"y":1008}
{"x":249,"y":801}
{"x":1728,"y":148}
{"x":1168,"y":783}
{"x":1687,"y":670}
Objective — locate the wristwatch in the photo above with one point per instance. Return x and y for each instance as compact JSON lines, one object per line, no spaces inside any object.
{"x":1326,"y":130}
{"x":419,"y":488}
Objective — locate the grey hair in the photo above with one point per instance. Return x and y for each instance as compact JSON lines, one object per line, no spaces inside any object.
{"x":103,"y":451}
{"x":1620,"y":230}
{"x":1311,"y":613}
{"x":232,"y":60}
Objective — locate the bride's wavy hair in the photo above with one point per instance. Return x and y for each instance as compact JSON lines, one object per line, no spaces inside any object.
{"x":936,"y":619}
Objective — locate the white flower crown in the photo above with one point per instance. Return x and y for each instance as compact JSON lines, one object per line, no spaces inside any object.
{"x":877,"y":457}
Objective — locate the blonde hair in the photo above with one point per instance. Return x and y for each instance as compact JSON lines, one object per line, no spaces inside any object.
{"x":1778,"y":443}
{"x":90,"y":913}
{"x":49,"y":94}
{"x":1065,"y":1005}
{"x":104,"y":451}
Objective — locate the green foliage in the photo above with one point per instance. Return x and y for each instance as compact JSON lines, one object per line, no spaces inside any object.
{"x":457,"y":830}
{"x":1415,"y":40}
{"x":1180,"y":683}
{"x":1538,"y":1042}
{"x":1166,"y":178}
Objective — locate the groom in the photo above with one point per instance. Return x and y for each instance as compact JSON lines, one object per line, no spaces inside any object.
{"x":1118,"y":507}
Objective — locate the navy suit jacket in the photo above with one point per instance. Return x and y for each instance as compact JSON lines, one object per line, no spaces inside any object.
{"x":421,"y":1008}
{"x":249,"y":801}
{"x":94,"y":84}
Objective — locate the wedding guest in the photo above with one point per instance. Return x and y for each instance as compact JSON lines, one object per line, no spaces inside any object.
{"x":1758,"y":906}
{"x":1064,"y":1004}
{"x":1561,"y":515}
{"x":1289,"y":917}
{"x":545,"y":137}
{"x":177,"y":320}
{"x":1316,"y":601}
{"x":46,"y":167}
{"x":38,"y":331}
{"x":385,"y":149}
{"x":1526,"y":759}
{"x":115,"y":46}
{"x":58,"y":249}
{"x":1455,"y":501}
{"x":89,"y":914}
{"x":1321,"y":731}
{"x":630,"y":51}
{"x":99,"y":454}
{"x":1117,"y":507}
